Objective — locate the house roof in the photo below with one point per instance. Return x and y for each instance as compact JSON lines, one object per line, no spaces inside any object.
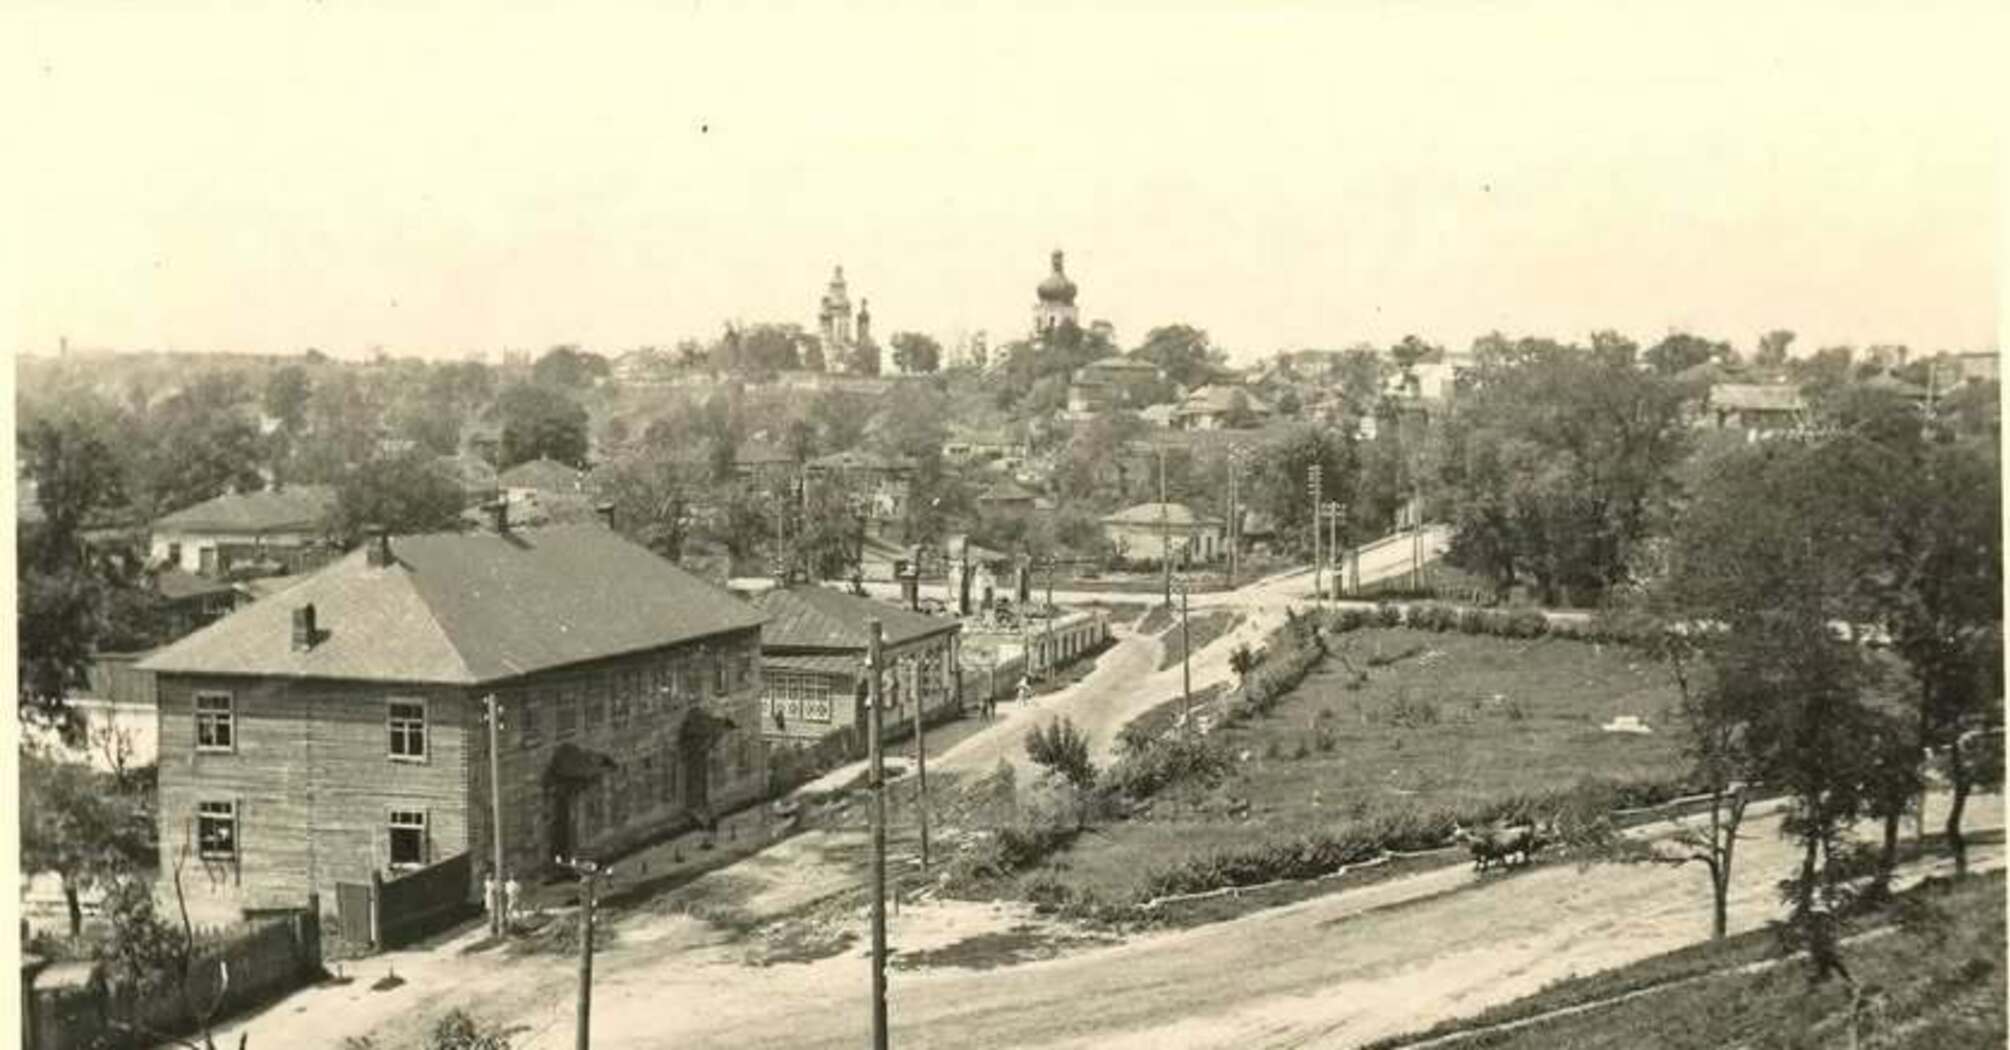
{"x":808,"y":617}
{"x":1005,"y":490}
{"x":958,"y":545}
{"x":1895,"y":385}
{"x":1160,"y":414}
{"x":1130,"y":367}
{"x":756,"y":452}
{"x":468,"y":608}
{"x":1757,"y":397}
{"x":861,"y":459}
{"x":268,"y":510}
{"x":543,"y":475}
{"x":1175,"y":514}
{"x":831,"y":664}
{"x":1215,"y":398}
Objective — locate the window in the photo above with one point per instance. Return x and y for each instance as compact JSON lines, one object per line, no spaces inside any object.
{"x":568,"y":714}
{"x":408,"y":839}
{"x":666,"y":773}
{"x":216,"y":830}
{"x":525,"y":710}
{"x":662,"y":677}
{"x":596,"y":704}
{"x":622,"y":699}
{"x":408,"y":730}
{"x":215,"y":722}
{"x":718,"y":675}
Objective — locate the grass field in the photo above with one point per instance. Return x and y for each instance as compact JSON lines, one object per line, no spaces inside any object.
{"x":1939,"y":981}
{"x":1201,"y":631}
{"x":1440,"y":721}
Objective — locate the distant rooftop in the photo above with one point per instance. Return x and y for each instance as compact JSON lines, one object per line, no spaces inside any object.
{"x":293,"y":508}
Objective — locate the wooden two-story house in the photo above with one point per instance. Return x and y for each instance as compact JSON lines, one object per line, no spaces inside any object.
{"x":337,"y":730}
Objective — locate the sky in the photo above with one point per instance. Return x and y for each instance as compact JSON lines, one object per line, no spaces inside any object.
{"x":441,"y":180}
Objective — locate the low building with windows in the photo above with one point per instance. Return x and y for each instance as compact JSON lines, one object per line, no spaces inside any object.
{"x":1149,"y":532}
{"x":813,"y":654}
{"x":337,"y":731}
{"x":280,"y":527}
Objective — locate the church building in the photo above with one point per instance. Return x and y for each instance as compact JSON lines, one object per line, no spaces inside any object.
{"x":834,"y":325}
{"x":1055,"y":302}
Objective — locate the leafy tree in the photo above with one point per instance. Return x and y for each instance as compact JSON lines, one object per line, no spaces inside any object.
{"x":286,"y":392}
{"x":1772,"y":349}
{"x":63,"y":592}
{"x":1062,"y":749}
{"x":652,"y":499}
{"x":914,"y":352}
{"x":1554,"y":466}
{"x":569,"y":368}
{"x":343,"y":417}
{"x":1278,"y":479}
{"x":404,"y":494}
{"x":77,"y":824}
{"x":1183,"y":352}
{"x":1681,"y":351}
{"x":865,"y":358}
{"x":201,"y":445}
{"x":539,"y":421}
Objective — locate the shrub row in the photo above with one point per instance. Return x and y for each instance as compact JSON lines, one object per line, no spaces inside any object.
{"x":1610,"y":628}
{"x":1144,"y":771}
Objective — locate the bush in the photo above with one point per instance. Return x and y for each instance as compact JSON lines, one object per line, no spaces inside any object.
{"x":1063,"y":749}
{"x":1162,"y":763}
{"x":1387,"y":615}
{"x":458,"y":1031}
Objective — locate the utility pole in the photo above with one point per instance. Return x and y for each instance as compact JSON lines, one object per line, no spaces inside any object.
{"x":1416,"y":540}
{"x":1185,"y":658}
{"x":920,"y":758}
{"x":877,"y":778}
{"x":1312,"y":483}
{"x":1047,"y":666}
{"x":1334,"y":510}
{"x":1234,"y":509}
{"x":498,"y":921}
{"x":1165,"y":528}
{"x":589,"y":875}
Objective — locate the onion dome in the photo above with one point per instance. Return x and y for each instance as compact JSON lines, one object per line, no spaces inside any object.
{"x":1057,"y":288}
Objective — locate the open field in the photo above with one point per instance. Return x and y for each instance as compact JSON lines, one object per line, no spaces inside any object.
{"x":1440,"y":723}
{"x":1934,"y":959}
{"x":1201,"y":631}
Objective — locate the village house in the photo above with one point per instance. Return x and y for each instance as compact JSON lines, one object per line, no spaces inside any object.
{"x":1112,"y":384}
{"x":764,"y":463}
{"x":1757,"y":409}
{"x":335,"y":732}
{"x":1006,"y":496}
{"x":278,"y":530}
{"x":813,"y":655}
{"x":1218,"y":407}
{"x":1146,"y":532}
{"x":882,"y":482}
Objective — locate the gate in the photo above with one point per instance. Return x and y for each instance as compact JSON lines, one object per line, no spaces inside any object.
{"x":353,"y":906}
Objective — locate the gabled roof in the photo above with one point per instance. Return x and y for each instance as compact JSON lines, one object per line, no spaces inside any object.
{"x":1892,"y":384}
{"x":1216,"y":398}
{"x":293,"y":508}
{"x":543,"y":475}
{"x":1130,"y":367}
{"x":1005,"y":490}
{"x":466,"y":609}
{"x":1757,"y":397}
{"x":1177,"y":515}
{"x":807,"y":617}
{"x":860,"y":459}
{"x":178,"y":585}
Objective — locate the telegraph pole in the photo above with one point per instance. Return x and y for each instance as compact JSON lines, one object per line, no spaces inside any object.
{"x":1334,"y":510}
{"x":589,"y":874}
{"x":1047,"y":665}
{"x":1234,"y":510}
{"x":1165,"y":528}
{"x":498,"y":921}
{"x":877,"y":778}
{"x":1185,"y":658}
{"x":920,"y":758}
{"x":1312,"y":484}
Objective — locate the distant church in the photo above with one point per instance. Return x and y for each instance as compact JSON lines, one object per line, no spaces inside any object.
{"x":834,"y":325}
{"x":1054,"y":304}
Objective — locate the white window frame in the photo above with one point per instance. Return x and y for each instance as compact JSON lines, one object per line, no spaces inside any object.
{"x":397,"y":820}
{"x":224,"y":810}
{"x":391,"y":726}
{"x":228,"y":719}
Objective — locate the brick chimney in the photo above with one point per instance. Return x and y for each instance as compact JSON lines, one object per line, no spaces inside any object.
{"x":304,"y":628}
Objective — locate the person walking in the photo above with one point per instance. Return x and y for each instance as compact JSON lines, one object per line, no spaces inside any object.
{"x":1025,"y":691}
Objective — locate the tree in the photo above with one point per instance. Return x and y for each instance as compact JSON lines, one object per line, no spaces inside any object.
{"x":864,"y":358}
{"x":61,"y":611}
{"x":1062,"y":749}
{"x":402,"y":494}
{"x":652,"y":502}
{"x":286,"y":392}
{"x":1681,"y":351}
{"x":1278,"y":478}
{"x":569,"y":368}
{"x":541,"y":422}
{"x":914,"y":352}
{"x":1183,"y":352}
{"x":76,"y":823}
{"x":1772,"y":349}
{"x":201,"y":445}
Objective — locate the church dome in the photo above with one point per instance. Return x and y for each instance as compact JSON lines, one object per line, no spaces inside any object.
{"x":1057,"y":288}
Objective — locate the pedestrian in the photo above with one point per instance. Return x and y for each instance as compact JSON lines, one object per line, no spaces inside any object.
{"x":511,"y":902}
{"x":1025,"y":690}
{"x":489,"y":902}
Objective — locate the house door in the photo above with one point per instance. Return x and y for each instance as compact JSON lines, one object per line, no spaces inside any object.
{"x":695,"y":769}
{"x":561,"y":821}
{"x":352,"y":913}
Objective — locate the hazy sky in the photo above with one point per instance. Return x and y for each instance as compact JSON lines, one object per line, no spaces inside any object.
{"x":345,"y":175}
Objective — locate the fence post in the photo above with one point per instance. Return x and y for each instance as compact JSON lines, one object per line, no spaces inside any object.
{"x":376,"y":909}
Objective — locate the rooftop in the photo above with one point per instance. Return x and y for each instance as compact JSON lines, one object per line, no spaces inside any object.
{"x":295,"y":507}
{"x":1757,"y":397}
{"x":543,"y":475}
{"x":466,"y":609}
{"x":1175,"y":514}
{"x":811,"y":617}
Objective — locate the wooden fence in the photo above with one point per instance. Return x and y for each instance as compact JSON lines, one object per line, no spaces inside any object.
{"x":424,"y":902}
{"x":250,"y":964}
